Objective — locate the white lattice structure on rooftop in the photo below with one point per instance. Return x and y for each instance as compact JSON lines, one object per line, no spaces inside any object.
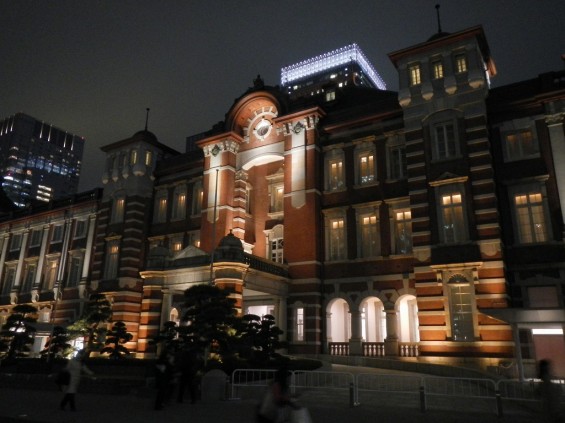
{"x":348,"y":54}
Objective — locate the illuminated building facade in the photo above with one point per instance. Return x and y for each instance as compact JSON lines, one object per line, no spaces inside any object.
{"x":38,"y":162}
{"x":425,"y":224}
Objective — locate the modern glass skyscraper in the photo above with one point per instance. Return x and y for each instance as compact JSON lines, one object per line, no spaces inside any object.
{"x":38,"y":162}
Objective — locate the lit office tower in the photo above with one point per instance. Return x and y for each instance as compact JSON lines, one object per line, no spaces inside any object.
{"x":335,"y":69}
{"x":38,"y":162}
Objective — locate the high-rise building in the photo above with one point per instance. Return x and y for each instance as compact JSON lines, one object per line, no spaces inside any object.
{"x":323,"y":74}
{"x":38,"y":162}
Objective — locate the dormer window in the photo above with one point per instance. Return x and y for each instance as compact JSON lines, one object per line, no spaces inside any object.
{"x":414,"y":73}
{"x":460,"y":63}
{"x":437,"y":69}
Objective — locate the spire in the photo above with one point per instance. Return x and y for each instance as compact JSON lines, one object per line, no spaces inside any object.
{"x":438,"y":19}
{"x":146,"y":118}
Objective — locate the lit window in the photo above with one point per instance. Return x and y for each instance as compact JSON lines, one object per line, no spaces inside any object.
{"x":176,"y":244}
{"x":160,"y":213}
{"x":461,"y":311}
{"x":460,"y":63}
{"x":197,"y":198}
{"x":50,"y":275}
{"x":335,"y":171}
{"x":520,"y":145}
{"x":300,"y":324}
{"x":402,"y":231}
{"x":445,"y":142}
{"x":369,"y":245}
{"x":437,"y":69}
{"x":118,"y":210}
{"x":531,"y":217}
{"x":179,"y":203}
{"x":414,"y":73}
{"x":133,"y":157}
{"x":277,"y":250}
{"x":336,"y":239}
{"x":366,"y":168}
{"x":330,"y":96}
{"x":148,"y":158}
{"x":277,"y":198}
{"x":112,"y":257}
{"x":452,"y":218}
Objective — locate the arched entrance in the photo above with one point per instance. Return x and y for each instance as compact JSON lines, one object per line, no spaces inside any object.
{"x":338,"y":326}
{"x":408,"y":333}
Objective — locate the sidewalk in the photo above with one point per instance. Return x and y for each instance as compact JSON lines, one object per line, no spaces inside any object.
{"x":34,"y":406}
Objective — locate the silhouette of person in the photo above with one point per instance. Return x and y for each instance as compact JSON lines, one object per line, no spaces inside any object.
{"x":549,"y":391}
{"x":75,"y":367}
{"x":164,"y":372}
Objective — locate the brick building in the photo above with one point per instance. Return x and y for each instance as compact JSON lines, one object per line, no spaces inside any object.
{"x":425,"y":224}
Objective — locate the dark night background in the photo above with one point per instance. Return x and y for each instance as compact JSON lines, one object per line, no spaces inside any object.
{"x":93,"y":67}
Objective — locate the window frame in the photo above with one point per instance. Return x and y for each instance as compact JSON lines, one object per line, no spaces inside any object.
{"x":335,"y":170}
{"x":414,"y":74}
{"x":527,"y":190}
{"x":459,"y":220}
{"x":451,"y":146}
{"x":160,"y":206}
{"x":118,"y":210}
{"x":365,"y":173}
{"x":460,"y":64}
{"x":406,"y":224}
{"x":112,"y":259}
{"x":336,"y":237}
{"x":437,"y":69}
{"x":396,"y":169}
{"x":369,"y":243}
{"x":518,"y":153}
{"x":180,"y":197}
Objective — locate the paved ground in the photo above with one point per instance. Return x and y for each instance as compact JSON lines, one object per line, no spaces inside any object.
{"x":35,"y":406}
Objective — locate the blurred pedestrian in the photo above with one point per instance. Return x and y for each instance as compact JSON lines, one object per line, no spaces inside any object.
{"x":164,"y":375}
{"x":550,"y":392}
{"x":275,"y":399}
{"x":75,"y":367}
{"x":187,"y":368}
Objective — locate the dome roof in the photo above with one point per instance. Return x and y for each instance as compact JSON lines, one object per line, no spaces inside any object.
{"x":230,"y":241}
{"x":145,"y":135}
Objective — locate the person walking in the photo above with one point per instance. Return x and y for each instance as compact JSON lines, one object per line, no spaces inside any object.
{"x":75,"y":367}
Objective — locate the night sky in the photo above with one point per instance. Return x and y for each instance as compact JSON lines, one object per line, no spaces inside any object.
{"x":93,"y":67}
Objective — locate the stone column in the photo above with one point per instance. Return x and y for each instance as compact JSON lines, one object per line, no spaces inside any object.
{"x":391,"y":341}
{"x":356,"y":340}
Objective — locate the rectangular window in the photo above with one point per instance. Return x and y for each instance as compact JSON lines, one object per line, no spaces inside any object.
{"x":160,"y":209}
{"x":300,"y":324}
{"x":452,"y":218}
{"x":460,"y":63}
{"x":112,"y":259}
{"x":366,"y":168}
{"x":176,"y":244}
{"x":337,"y":240}
{"x":80,"y":229}
{"x":50,"y":275}
{"x":461,"y":308}
{"x":16,"y":242}
{"x":369,"y":236}
{"x":402,"y":231}
{"x":397,"y":162}
{"x":75,"y":270}
{"x":29,"y":276}
{"x":57,"y":234}
{"x":9,"y":279}
{"x":445,"y":142}
{"x":521,"y":145}
{"x":197,"y":199}
{"x":133,"y":157}
{"x":530,"y":215}
{"x":277,"y":198}
{"x":276,"y":247}
{"x":335,"y":174}
{"x":148,"y":158}
{"x":414,"y":73}
{"x":330,"y":95}
{"x":437,"y":69}
{"x":179,"y":204}
{"x":118,"y":210}
{"x":35,"y":240}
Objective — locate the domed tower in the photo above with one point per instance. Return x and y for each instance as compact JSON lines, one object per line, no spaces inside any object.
{"x":122,"y":226}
